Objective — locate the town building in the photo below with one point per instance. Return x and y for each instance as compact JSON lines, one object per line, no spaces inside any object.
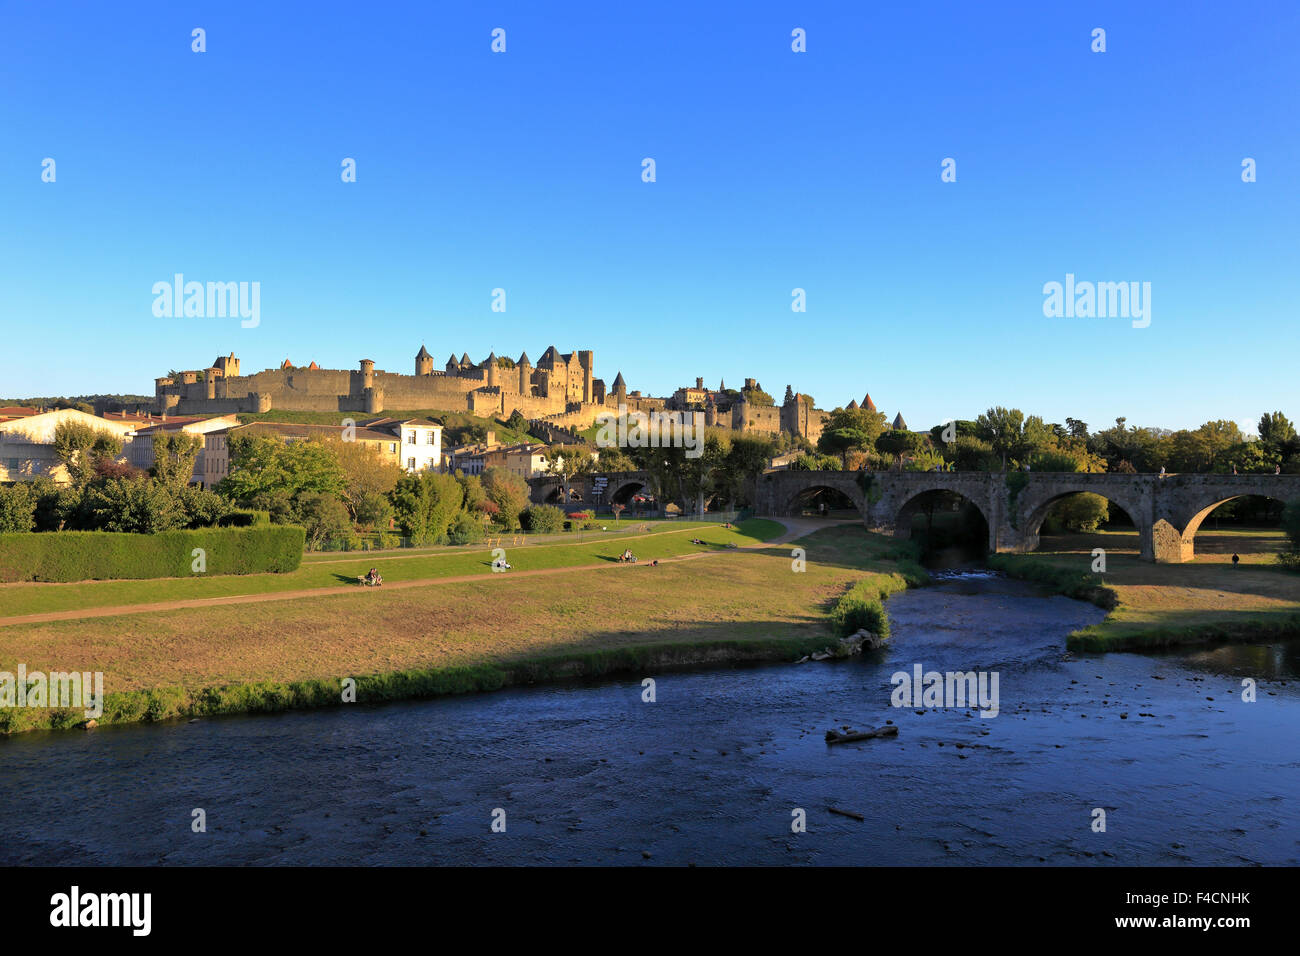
{"x":27,"y":442}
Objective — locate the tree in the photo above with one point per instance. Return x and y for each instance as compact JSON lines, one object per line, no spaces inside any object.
{"x":466,"y":529}
{"x":138,"y":506}
{"x":566,"y":462}
{"x":367,"y":475}
{"x":1002,"y":428}
{"x":174,"y":454}
{"x":426,"y":503}
{"x":698,"y":473}
{"x":618,"y":508}
{"x":79,"y":447}
{"x":613,"y":459}
{"x":848,"y":429}
{"x":517,"y":422}
{"x":1077,"y":428}
{"x":745,"y":460}
{"x":263,"y":465}
{"x":372,"y":510}
{"x":1082,"y":512}
{"x":899,"y":444}
{"x":1278,"y":435}
{"x":509,"y":492}
{"x":17,"y":509}
{"x":816,"y":463}
{"x":201,"y":508}
{"x":324,"y":517}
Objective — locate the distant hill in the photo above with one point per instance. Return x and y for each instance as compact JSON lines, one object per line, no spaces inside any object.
{"x":95,"y":403}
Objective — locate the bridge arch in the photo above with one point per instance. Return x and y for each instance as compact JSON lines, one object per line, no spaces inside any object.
{"x":919,"y":498}
{"x":1038,"y":497}
{"x":625,"y":489}
{"x":833,"y":493}
{"x":1186,"y":542}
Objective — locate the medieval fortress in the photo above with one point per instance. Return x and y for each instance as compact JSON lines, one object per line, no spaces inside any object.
{"x":561,"y":389}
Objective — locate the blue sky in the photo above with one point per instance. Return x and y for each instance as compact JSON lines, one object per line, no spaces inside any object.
{"x":775,"y":170}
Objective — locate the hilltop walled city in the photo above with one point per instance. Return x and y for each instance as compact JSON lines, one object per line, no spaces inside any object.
{"x":561,"y":389}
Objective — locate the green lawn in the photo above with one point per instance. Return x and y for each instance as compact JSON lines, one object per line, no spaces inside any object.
{"x":669,"y":539}
{"x":1158,"y":605}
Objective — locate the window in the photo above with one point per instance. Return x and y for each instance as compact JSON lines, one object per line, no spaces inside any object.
{"x":11,"y":464}
{"x":410,"y":463}
{"x":433,"y":439}
{"x":392,"y":447}
{"x":410,"y":438}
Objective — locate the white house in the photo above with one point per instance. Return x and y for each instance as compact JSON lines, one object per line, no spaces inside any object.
{"x":421,"y":442}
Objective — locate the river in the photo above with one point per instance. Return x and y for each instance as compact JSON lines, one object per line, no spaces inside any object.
{"x":712,"y":771}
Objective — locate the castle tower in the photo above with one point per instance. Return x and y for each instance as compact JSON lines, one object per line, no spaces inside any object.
{"x":210,"y":382}
{"x":587,"y":360}
{"x":423,"y":362}
{"x":453,"y":367}
{"x":374,"y":400}
{"x":525,"y":375}
{"x":227,"y":365}
{"x":367,"y":374}
{"x":490,"y":367}
{"x":620,"y":388}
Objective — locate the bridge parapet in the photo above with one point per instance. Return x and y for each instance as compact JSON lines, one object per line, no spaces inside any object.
{"x":1166,"y":510}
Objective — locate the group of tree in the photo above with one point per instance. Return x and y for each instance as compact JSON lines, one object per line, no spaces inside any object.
{"x":105,"y":494}
{"x":1007,"y":439}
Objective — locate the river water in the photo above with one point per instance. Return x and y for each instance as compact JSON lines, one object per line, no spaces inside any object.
{"x":713,"y":770}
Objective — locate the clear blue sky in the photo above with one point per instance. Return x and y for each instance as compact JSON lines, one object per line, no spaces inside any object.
{"x":775,"y":170}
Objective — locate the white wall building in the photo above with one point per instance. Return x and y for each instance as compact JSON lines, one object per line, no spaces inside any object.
{"x":27,"y":443}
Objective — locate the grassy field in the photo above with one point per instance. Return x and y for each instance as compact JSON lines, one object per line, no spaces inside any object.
{"x":662,"y":540}
{"x":1160,"y":605}
{"x":454,"y":637}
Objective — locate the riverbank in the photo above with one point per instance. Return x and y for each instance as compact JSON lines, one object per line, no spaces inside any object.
{"x":1155,"y":606}
{"x":723,"y":606}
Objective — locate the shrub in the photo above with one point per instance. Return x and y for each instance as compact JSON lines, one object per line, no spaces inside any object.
{"x":325,"y":519}
{"x":244,"y":518}
{"x":1291,"y":526}
{"x":100,"y":555}
{"x":466,"y":529}
{"x":543,"y":519}
{"x":860,"y":608}
{"x":17,"y":509}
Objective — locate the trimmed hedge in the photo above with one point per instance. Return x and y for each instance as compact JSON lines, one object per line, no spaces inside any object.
{"x":99,"y":555}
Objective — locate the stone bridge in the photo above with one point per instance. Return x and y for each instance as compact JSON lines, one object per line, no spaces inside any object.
{"x":621,"y":485}
{"x":1166,"y":510}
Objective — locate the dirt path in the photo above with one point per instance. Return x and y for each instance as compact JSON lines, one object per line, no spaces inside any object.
{"x":794,"y":528}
